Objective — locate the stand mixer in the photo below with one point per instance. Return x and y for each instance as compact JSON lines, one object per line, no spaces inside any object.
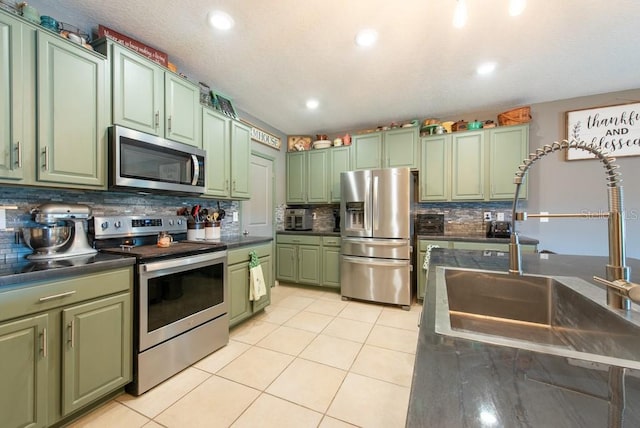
{"x":62,"y":233}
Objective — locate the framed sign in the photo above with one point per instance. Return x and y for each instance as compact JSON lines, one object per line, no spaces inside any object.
{"x":615,"y":129}
{"x":264,"y":137}
{"x":223,"y":105}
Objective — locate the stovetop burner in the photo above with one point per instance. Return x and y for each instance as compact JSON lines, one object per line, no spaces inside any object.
{"x":177,"y":249}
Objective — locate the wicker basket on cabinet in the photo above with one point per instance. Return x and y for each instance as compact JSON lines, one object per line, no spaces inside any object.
{"x":515,"y":116}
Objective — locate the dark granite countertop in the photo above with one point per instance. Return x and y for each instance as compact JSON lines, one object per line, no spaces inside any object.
{"x":478,"y":238}
{"x":24,"y":271}
{"x":309,"y":232}
{"x":241,"y":240}
{"x":464,"y":383}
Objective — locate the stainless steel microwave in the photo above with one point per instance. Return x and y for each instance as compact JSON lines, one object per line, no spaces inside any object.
{"x":145,"y":162}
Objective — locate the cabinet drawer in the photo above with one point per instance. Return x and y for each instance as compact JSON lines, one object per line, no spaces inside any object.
{"x":299,"y":239}
{"x":424,"y":243}
{"x":241,"y":255}
{"x":42,"y":296}
{"x":331,"y":241}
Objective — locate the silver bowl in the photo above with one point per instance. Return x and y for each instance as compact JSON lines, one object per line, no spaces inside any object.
{"x":46,"y":239}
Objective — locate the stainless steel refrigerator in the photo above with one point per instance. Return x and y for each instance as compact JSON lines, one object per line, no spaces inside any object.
{"x":376,"y":229}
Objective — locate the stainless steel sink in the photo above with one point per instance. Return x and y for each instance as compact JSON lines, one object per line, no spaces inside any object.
{"x":563,"y":316}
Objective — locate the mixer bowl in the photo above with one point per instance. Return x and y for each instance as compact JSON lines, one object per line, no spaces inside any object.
{"x":46,"y":239}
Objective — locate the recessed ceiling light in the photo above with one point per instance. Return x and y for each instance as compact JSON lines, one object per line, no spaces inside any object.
{"x":516,"y":7}
{"x":312,"y":104}
{"x":486,"y":68}
{"x":220,"y":20}
{"x":366,"y":38}
{"x":460,"y":14}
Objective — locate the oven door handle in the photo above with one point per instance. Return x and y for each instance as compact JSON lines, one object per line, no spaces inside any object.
{"x":183,"y":261}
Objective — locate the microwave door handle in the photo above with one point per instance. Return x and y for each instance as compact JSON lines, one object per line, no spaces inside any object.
{"x":196,"y":170}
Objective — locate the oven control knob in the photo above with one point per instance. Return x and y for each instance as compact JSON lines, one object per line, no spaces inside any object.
{"x":117,"y":224}
{"x":179,"y":221}
{"x":104,"y":225}
{"x":170,"y":222}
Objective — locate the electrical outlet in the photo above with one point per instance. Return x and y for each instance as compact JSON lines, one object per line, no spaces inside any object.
{"x":487,"y":216}
{"x":500,"y":216}
{"x":544,"y":219}
{"x":314,"y":216}
{"x":235,"y":216}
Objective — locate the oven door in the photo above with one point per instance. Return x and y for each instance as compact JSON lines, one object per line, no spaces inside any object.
{"x":179,"y":294}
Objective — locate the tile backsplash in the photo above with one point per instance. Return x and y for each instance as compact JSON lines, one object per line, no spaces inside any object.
{"x":101,"y":203}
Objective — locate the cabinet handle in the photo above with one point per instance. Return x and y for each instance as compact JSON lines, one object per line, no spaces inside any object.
{"x":226,"y":184}
{"x":157,"y":119}
{"x":57,"y":296}
{"x":43,"y":347}
{"x":45,"y":153}
{"x":71,"y":327}
{"x":18,"y":154}
{"x":234,"y":185}
{"x":169,"y":120}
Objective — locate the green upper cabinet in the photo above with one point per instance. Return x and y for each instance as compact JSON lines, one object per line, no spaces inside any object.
{"x":467,"y":181}
{"x":137,"y":91}
{"x":72,"y":114}
{"x":240,"y":160}
{"x":24,"y":370}
{"x":508,"y":147}
{"x":395,"y":148}
{"x":435,"y":169}
{"x":339,"y":162}
{"x":148,"y":98}
{"x":296,"y":177}
{"x":318,"y":171}
{"x":472,"y":165}
{"x":182,"y":108}
{"x":228,"y":146}
{"x":12,"y":79}
{"x":313,"y":177}
{"x":366,"y":151}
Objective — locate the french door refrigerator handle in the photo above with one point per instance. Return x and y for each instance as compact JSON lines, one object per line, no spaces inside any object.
{"x":376,"y":214}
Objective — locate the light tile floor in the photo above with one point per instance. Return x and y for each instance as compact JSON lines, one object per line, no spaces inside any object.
{"x":310,"y":360}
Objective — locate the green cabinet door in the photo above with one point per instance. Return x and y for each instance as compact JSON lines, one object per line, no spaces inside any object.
{"x":317,"y":176}
{"x":296,"y":177}
{"x":435,"y":168}
{"x":366,"y":151}
{"x":508,"y":146}
{"x":240,"y":160}
{"x":309,"y":264}
{"x":339,"y":162}
{"x":215,"y":140}
{"x":286,"y":262}
{"x":267,"y":273}
{"x":239,"y":305}
{"x":468,"y":166}
{"x":182,"y":109}
{"x":400,"y":148}
{"x":331,"y":266}
{"x":12,"y":77}
{"x":71,"y":112}
{"x":96,"y":350}
{"x":138,"y":91}
{"x":24,"y":368}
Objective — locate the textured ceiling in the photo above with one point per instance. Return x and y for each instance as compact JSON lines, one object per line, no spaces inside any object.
{"x":282,"y":52}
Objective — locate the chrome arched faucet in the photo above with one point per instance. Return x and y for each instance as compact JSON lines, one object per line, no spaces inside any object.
{"x":619,"y":289}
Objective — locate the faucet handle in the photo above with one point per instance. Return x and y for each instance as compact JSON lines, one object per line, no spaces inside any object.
{"x":622,"y":287}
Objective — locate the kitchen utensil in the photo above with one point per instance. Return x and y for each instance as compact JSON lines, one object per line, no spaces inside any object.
{"x":221,"y":212}
{"x":164,"y":239}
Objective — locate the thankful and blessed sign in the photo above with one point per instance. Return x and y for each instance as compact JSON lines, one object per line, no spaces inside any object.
{"x":615,"y":129}
{"x":151,"y":53}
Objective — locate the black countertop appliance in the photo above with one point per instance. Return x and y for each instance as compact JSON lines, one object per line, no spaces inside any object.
{"x":498,"y":229}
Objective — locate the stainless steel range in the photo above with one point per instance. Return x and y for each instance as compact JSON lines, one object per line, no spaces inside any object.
{"x":181,"y":294}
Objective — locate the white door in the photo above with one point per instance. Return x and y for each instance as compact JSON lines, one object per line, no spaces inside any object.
{"x":257,"y":213}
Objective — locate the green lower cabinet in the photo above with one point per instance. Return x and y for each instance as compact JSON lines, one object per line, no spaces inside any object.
{"x":96,"y":350}
{"x":238,"y":274}
{"x":24,"y":369}
{"x":308,"y":260}
{"x":309,"y":264}
{"x":331,"y":267}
